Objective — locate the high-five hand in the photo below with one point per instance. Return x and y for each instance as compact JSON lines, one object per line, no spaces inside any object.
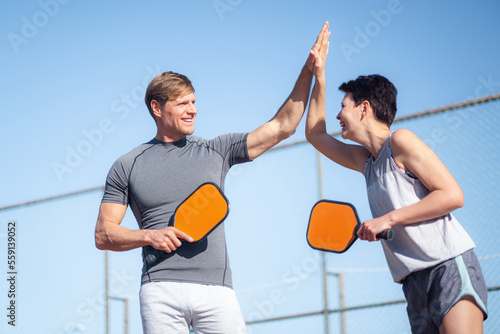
{"x":320,"y":47}
{"x":319,"y":54}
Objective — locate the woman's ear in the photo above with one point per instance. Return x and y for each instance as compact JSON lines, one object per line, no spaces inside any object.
{"x":365,"y":106}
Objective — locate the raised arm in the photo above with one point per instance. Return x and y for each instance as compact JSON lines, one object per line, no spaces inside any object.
{"x":109,"y":235}
{"x":288,"y":117}
{"x":350,"y":156}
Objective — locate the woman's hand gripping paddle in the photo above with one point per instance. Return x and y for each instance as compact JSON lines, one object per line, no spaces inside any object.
{"x":333,"y":225}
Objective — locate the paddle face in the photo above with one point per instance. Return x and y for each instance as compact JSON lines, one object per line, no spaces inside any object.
{"x":332,"y":226}
{"x":202,"y":211}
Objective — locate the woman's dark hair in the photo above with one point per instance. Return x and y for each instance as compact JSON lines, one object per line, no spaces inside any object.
{"x":377,"y":90}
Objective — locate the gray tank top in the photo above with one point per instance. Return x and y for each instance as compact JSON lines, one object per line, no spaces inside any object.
{"x":416,"y":246}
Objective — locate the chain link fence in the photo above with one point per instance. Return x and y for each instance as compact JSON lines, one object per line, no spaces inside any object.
{"x":65,"y":285}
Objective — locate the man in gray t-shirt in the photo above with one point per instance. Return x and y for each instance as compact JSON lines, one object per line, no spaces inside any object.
{"x":154,"y":178}
{"x":190,"y":285}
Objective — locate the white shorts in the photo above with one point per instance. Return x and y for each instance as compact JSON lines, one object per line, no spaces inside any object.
{"x":174,"y":307}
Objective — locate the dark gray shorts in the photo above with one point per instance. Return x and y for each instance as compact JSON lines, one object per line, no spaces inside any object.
{"x":432,"y":292}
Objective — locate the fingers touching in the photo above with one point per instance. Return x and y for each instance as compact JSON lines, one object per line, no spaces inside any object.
{"x":319,"y":51}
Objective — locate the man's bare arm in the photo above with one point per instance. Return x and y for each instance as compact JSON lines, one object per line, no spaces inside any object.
{"x":109,"y":235}
{"x":288,"y":117}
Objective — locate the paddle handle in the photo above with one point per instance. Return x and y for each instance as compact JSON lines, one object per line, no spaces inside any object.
{"x":386,"y":235}
{"x":152,"y":257}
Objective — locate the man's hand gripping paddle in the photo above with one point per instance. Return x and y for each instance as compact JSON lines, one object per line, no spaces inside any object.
{"x":333,"y":226}
{"x":198,"y":215}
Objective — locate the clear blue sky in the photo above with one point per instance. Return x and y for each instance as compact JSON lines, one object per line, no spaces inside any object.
{"x":84,"y":65}
{"x":74,"y":73}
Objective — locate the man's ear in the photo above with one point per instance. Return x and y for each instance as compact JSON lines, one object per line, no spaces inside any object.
{"x":156,"y":108}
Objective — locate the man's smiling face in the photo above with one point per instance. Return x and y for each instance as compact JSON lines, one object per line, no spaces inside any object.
{"x":178,"y":116}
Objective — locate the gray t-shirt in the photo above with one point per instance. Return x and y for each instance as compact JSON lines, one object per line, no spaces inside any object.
{"x":155,"y":177}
